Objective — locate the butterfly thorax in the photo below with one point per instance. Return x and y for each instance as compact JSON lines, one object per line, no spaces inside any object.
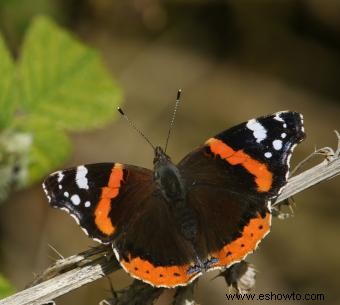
{"x":172,"y":187}
{"x":167,"y":177}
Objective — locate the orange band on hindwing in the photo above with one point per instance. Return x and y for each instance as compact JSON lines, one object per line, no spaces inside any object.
{"x":252,"y":234}
{"x":160,"y":276}
{"x":263,"y":177}
{"x":102,"y":218}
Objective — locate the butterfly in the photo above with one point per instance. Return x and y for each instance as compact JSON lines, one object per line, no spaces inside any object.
{"x":169,"y":225}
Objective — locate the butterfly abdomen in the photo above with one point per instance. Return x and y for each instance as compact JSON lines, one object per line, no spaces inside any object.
{"x":186,"y":222}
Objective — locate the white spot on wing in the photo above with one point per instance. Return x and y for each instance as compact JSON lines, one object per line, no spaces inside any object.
{"x":75,"y":199}
{"x":268,"y":154}
{"x":66,"y":194}
{"x":259,"y":132}
{"x":278,"y":118}
{"x":60,"y":186}
{"x":277,"y":144}
{"x":60,"y":176}
{"x":283,"y":135}
{"x":81,"y":179}
{"x":87,"y":204}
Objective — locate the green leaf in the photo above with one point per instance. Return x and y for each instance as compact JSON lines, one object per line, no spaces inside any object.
{"x":63,"y":85}
{"x":5,"y":288}
{"x":50,"y":149}
{"x":50,"y":146}
{"x":64,"y":81}
{"x":7,"y":72}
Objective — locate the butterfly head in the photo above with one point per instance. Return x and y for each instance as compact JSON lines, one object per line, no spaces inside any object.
{"x":161,"y":158}
{"x":167,"y":176}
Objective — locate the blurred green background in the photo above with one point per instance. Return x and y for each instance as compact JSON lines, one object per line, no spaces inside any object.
{"x":234,"y":60}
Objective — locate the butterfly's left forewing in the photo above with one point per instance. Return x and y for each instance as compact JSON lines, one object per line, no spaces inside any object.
{"x":96,"y":194}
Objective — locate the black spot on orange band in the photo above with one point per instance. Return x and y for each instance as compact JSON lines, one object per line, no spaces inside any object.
{"x":239,"y":248}
{"x":160,"y":276}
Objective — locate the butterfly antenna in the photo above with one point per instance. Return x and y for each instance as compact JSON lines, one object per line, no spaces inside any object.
{"x":120,"y":110}
{"x":173,"y":118}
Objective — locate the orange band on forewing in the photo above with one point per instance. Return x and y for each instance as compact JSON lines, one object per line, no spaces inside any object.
{"x":165,"y":276}
{"x":263,"y":177}
{"x":252,"y":234}
{"x":102,"y":218}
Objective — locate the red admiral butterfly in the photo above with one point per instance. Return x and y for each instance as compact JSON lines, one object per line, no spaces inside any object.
{"x":209,"y":211}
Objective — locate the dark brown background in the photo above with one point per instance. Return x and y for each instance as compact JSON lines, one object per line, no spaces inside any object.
{"x":234,"y":60}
